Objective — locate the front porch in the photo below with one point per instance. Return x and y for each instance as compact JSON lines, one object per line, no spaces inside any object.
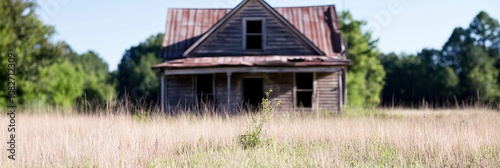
{"x":299,"y":88}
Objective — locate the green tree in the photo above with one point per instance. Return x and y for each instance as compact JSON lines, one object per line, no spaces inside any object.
{"x":473,"y":53}
{"x":47,"y":73}
{"x":412,"y":79}
{"x":61,"y":84}
{"x":480,"y":82}
{"x":135,"y":76}
{"x":99,"y":85}
{"x":366,"y":73}
{"x":485,"y":32}
{"x":24,"y":35}
{"x":466,"y":69}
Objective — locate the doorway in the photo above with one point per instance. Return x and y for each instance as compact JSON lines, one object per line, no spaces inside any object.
{"x":252,"y":93}
{"x":204,"y":89}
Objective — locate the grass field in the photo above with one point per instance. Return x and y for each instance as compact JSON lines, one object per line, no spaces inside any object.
{"x":385,"y":138}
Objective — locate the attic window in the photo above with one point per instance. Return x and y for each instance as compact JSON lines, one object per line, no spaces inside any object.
{"x":253,"y":34}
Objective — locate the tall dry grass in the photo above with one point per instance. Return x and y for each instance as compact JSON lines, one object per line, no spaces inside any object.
{"x":400,"y":138}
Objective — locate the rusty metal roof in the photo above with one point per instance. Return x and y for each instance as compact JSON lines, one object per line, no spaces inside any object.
{"x":284,"y":61}
{"x":185,"y":26}
{"x":318,"y":23}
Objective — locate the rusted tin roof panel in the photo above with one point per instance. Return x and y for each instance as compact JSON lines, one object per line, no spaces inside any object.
{"x":185,"y":26}
{"x":318,"y":23}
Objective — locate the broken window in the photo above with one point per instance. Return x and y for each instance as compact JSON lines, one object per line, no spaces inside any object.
{"x":304,"y":83}
{"x":204,"y":89}
{"x":254,"y":34}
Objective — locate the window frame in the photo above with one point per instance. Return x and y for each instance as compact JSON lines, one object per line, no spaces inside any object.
{"x":296,"y":90}
{"x":245,"y":34}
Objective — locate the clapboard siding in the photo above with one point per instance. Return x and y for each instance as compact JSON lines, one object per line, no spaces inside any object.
{"x":221,"y":90}
{"x":327,"y":91}
{"x":179,"y":91}
{"x":282,"y":85}
{"x":228,"y":40}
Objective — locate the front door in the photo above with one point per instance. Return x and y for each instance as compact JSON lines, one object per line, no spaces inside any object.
{"x":253,"y":93}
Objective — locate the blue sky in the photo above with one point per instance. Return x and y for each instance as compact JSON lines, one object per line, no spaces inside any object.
{"x":111,"y":27}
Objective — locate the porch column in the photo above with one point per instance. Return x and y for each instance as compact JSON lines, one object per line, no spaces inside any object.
{"x":344,"y":85}
{"x":315,"y":98}
{"x":340,"y":94}
{"x":228,"y":90}
{"x":162,"y":94}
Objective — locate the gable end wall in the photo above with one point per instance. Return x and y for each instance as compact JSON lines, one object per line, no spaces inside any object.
{"x":228,"y":40}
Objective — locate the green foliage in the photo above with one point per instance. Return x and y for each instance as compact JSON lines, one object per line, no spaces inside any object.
{"x":99,"y":85}
{"x":466,"y":69}
{"x":46,"y":73}
{"x":141,"y":116}
{"x":62,"y":84}
{"x":366,"y":73}
{"x":405,"y":79}
{"x":252,"y":137}
{"x":356,"y":112}
{"x":25,"y":36}
{"x":473,"y":53}
{"x":483,"y":78}
{"x":135,"y":76}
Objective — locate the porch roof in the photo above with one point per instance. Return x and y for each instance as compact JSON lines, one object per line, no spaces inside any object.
{"x":252,"y":61}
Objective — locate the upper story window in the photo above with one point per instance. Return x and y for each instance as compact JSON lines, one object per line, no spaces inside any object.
{"x":254,"y":33}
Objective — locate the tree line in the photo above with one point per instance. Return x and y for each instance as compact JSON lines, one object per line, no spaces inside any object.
{"x":465,"y":71}
{"x":50,"y":73}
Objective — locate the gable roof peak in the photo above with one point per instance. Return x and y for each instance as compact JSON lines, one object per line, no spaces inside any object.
{"x":235,"y":10}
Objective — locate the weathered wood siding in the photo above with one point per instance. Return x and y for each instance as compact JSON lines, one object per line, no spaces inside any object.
{"x":282,"y":85}
{"x":179,"y":90}
{"x":228,"y":40}
{"x":328,"y":91}
{"x":221,"y":90}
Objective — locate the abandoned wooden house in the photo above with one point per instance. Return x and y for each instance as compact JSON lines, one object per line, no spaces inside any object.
{"x":230,"y":57}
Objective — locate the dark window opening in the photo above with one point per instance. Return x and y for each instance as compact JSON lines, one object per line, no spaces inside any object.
{"x":304,"y":83}
{"x":304,"y":80}
{"x":304,"y":99}
{"x":254,"y":42}
{"x":254,"y":26}
{"x":252,"y":93}
{"x":254,"y":34}
{"x":204,"y":89}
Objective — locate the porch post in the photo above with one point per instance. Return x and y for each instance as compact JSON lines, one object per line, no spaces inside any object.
{"x":344,"y":85}
{"x":228,"y":90}
{"x":315,"y":98}
{"x":162,"y":94}
{"x":340,"y":91}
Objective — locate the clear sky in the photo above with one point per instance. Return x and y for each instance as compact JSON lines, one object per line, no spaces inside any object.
{"x":110,"y":27}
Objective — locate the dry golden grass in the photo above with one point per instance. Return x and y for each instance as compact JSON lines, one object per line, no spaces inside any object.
{"x":400,"y":138}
